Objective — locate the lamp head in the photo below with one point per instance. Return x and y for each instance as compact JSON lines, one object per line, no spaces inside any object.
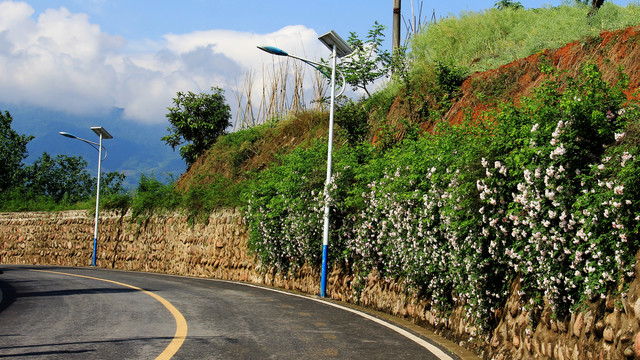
{"x":273,"y":50}
{"x":63,"y":133}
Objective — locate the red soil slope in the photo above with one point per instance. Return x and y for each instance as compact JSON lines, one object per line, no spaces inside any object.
{"x":610,"y":50}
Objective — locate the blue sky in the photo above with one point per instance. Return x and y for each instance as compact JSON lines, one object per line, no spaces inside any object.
{"x":88,"y":56}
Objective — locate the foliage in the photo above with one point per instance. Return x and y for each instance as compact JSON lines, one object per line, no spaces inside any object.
{"x":49,"y":183}
{"x":508,"y":4}
{"x":284,"y":210}
{"x":595,"y":5}
{"x":112,"y":195}
{"x":111,"y":183}
{"x":152,"y":195}
{"x":197,"y":120}
{"x":368,"y":62}
{"x":13,"y":149}
{"x":449,"y":77}
{"x":116,"y":201}
{"x":219,"y":192}
{"x":353,"y":118}
{"x":546,"y":192}
{"x":64,"y":179}
{"x":485,"y":40}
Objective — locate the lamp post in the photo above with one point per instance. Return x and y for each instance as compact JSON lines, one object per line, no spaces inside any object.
{"x":102,"y":134}
{"x":339,"y":48}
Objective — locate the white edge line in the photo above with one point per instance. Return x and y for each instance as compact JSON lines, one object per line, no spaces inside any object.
{"x":425,"y":344}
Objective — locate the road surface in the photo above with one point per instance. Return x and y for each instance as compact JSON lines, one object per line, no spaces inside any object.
{"x":89,"y":313}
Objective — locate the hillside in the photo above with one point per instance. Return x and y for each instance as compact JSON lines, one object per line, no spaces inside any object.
{"x":237,"y":155}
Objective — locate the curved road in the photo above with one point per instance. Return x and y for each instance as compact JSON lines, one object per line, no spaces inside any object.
{"x":83,"y":313}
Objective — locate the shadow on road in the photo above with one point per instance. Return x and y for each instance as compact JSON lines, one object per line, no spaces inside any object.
{"x":75,"y":292}
{"x":8,"y":295}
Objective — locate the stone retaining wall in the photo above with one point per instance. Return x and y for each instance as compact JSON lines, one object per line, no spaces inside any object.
{"x":608,"y":329}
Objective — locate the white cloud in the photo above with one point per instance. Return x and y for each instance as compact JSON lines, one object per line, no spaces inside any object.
{"x":62,"y":61}
{"x":56,"y":61}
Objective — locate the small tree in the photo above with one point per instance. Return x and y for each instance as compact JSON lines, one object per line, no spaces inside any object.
{"x":13,"y":149}
{"x":196,"y":121}
{"x":368,"y":62}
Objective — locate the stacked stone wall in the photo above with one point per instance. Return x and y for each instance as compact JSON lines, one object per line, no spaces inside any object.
{"x":607,"y":329}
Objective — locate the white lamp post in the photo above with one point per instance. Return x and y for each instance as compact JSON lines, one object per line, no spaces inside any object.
{"x":103,"y":134}
{"x":339,"y":48}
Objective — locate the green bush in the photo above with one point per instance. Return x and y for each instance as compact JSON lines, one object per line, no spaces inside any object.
{"x":152,"y":195}
{"x":354,"y":119}
{"x":219,"y":192}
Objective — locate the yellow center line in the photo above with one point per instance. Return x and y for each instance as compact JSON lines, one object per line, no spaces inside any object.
{"x":181,"y":323}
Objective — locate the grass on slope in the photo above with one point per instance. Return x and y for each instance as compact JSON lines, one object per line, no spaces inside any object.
{"x":485,"y":40}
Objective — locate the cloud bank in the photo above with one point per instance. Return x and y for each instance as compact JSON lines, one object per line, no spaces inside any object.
{"x":61,"y":61}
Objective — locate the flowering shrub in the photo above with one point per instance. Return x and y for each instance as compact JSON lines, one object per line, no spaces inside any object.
{"x":545,"y":194}
{"x":285,"y":212}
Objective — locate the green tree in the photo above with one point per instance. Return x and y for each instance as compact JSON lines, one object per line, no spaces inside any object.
{"x":65,"y":180}
{"x":111,"y":183}
{"x":197,"y":120}
{"x":368,"y":62}
{"x":13,"y":149}
{"x":62,"y":179}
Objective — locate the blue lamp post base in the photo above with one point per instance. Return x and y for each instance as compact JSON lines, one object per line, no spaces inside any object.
{"x":95,"y":245}
{"x":323,"y":276}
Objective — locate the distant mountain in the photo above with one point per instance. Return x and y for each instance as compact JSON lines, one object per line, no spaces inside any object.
{"x":135,"y":148}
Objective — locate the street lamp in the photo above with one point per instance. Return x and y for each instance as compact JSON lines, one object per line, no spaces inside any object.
{"x":339,"y":48}
{"x":103,"y":134}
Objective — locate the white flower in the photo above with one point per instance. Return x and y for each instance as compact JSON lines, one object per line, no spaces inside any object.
{"x":559,"y":151}
{"x":626,"y":157}
{"x":534,"y":128}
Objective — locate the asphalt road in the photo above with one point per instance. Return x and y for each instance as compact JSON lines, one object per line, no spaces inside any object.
{"x":85,"y":313}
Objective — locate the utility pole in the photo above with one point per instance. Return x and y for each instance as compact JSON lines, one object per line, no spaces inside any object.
{"x":396,"y":26}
